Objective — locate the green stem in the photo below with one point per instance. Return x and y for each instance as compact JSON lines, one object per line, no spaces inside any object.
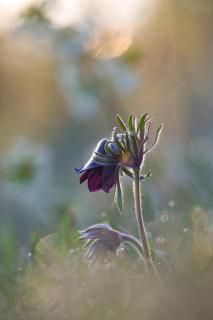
{"x":141,"y":227}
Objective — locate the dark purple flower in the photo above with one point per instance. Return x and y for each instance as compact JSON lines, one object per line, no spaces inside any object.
{"x":103,"y":241}
{"x":124,"y":152}
{"x":102,"y":169}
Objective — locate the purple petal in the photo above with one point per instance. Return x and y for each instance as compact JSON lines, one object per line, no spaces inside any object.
{"x":84,"y":176}
{"x":91,"y":163}
{"x":94,"y":250}
{"x":100,"y":146}
{"x":97,"y":227}
{"x":109,"y":178}
{"x":94,"y":179}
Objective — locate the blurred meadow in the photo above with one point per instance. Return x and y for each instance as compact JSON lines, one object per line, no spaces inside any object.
{"x":67,"y":67}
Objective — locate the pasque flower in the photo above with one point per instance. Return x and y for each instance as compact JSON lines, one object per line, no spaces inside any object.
{"x":101,"y":171}
{"x":123,"y":153}
{"x":102,"y":240}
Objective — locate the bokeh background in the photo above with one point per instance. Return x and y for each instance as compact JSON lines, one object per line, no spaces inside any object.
{"x":66,"y":69}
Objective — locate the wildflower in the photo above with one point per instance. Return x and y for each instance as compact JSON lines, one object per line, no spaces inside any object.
{"x":101,"y":171}
{"x":103,"y":241}
{"x":123,"y":153}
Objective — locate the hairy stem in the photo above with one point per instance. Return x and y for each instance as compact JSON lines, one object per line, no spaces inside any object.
{"x":141,"y":227}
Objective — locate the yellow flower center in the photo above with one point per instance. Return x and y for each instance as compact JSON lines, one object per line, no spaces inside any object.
{"x":125,"y":157}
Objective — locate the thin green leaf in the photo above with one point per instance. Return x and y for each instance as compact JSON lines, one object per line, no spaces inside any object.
{"x":117,"y":141}
{"x":158,"y":131}
{"x":146,"y":176}
{"x":149,"y":174}
{"x":100,"y":155}
{"x":142,"y":121}
{"x":128,"y":143}
{"x":128,"y":173}
{"x":141,"y":124}
{"x":119,"y":198}
{"x":134,"y":143}
{"x":101,"y":160}
{"x":121,"y":123}
{"x":123,"y":141}
{"x":131,"y":122}
{"x":109,"y":150}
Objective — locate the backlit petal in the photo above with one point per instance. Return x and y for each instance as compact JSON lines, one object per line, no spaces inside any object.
{"x":94,"y":179}
{"x":109,"y":178}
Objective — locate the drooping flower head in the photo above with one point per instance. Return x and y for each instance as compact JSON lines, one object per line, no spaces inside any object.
{"x":101,"y":170}
{"x":102,"y":241}
{"x":123,"y":153}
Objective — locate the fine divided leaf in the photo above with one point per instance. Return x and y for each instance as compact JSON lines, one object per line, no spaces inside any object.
{"x":121,"y":124}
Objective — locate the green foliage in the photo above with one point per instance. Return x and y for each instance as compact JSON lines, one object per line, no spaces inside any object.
{"x":118,"y":143}
{"x":141,"y":124}
{"x":131,"y":123}
{"x":127,"y":172}
{"x":158,"y":132}
{"x":121,"y":124}
{"x":118,"y":195}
